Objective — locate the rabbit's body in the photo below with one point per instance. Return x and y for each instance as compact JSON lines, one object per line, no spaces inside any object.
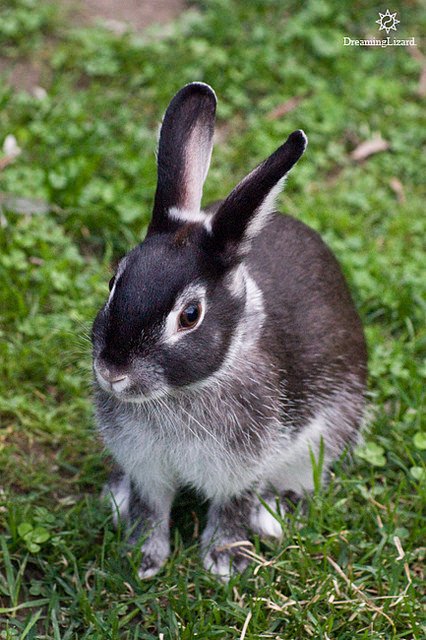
{"x":235,"y":410}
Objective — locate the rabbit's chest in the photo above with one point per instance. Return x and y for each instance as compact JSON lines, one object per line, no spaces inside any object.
{"x":202,"y":449}
{"x":212,"y":469}
{"x":212,"y":452}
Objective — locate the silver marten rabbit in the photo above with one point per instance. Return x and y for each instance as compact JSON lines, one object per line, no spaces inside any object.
{"x":228,"y":349}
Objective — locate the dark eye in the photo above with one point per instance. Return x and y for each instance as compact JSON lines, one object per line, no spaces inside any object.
{"x":111,"y":283}
{"x":190,"y":316}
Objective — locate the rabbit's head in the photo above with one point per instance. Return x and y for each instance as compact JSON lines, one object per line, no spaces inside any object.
{"x":179,"y":299}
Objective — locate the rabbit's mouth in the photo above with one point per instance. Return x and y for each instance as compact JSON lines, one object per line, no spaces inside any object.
{"x":129,"y":386}
{"x":111,"y":378}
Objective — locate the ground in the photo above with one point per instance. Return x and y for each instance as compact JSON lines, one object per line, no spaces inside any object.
{"x":119,"y":16}
{"x":77,"y":178}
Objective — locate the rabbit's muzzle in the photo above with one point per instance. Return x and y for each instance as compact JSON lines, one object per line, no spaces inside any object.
{"x":131,"y":382}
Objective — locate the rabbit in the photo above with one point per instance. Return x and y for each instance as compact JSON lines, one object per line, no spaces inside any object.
{"x":228,"y":352}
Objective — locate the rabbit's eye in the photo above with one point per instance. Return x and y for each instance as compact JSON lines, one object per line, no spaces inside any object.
{"x":189,"y":316}
{"x":111,"y":283}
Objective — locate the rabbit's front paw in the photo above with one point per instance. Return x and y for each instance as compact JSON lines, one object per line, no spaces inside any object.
{"x":225,"y":557}
{"x":155,"y":551}
{"x":117,"y":491}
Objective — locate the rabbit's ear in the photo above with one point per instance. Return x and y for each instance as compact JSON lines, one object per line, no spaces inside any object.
{"x":246,"y":210}
{"x":184,"y":151}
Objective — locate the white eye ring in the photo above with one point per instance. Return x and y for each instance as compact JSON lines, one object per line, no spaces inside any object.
{"x":176,"y":326}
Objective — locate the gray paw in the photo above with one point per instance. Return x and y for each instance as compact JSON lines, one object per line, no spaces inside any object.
{"x":227,"y":558}
{"x":149,"y":567}
{"x":155,"y":551}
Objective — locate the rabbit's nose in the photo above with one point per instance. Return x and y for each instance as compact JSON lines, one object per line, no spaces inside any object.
{"x":118,"y":381}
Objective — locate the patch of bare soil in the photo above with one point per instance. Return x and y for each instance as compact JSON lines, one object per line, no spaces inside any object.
{"x":118,"y":15}
{"x":133,"y":14}
{"x":21,"y":74}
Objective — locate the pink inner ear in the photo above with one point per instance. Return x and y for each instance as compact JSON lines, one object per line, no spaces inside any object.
{"x":197,"y":161}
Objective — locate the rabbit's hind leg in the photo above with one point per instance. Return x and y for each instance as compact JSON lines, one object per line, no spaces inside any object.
{"x":268,"y":512}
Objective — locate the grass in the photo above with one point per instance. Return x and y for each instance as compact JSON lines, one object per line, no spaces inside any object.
{"x":353,"y":564}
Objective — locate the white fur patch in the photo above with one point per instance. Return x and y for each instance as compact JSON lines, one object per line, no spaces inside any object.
{"x":235,"y":281}
{"x":120,"y":385}
{"x":305,"y":138}
{"x":146,"y":574}
{"x":119,"y":495}
{"x":120,"y":270}
{"x":116,"y":387}
{"x":221,"y":567}
{"x":246,"y":334}
{"x":186,"y":440}
{"x":263,"y":213}
{"x":263,"y":522}
{"x":111,"y":294}
{"x":185,"y":215}
{"x":291,"y":468}
{"x":102,"y":382}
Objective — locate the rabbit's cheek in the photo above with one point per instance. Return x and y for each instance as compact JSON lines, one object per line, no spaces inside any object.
{"x":147,"y":380}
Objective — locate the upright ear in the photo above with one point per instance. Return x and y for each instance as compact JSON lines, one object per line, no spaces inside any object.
{"x":247,"y":208}
{"x":184,"y":152}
